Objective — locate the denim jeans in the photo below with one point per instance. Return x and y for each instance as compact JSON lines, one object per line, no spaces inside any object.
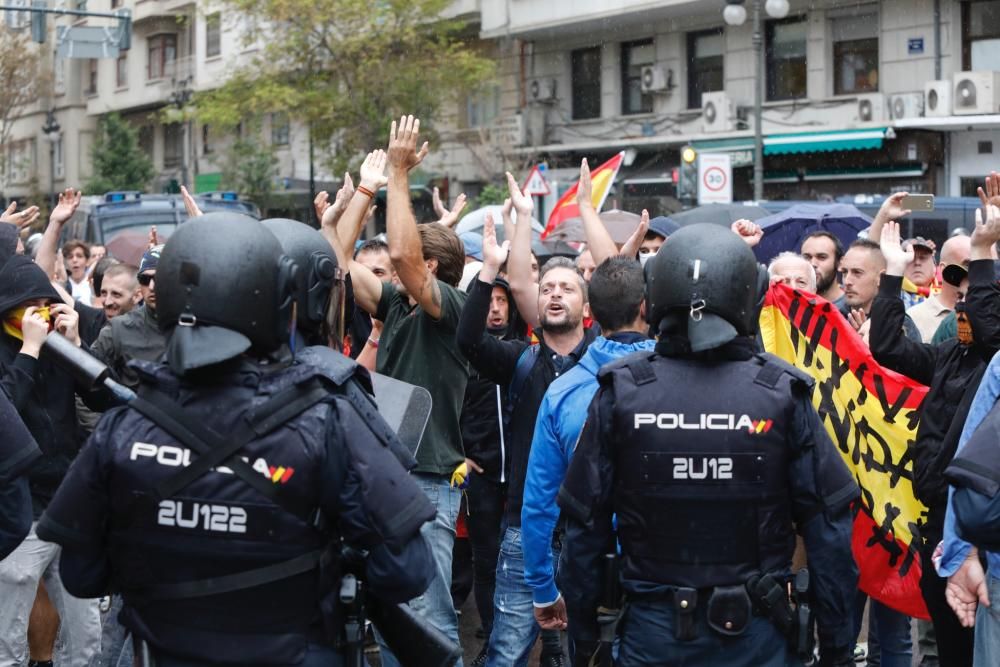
{"x":435,"y":605}
{"x":514,"y":627}
{"x":889,"y":641}
{"x":987,"y":649}
{"x":80,"y":621}
{"x":647,"y":637}
{"x":116,"y":640}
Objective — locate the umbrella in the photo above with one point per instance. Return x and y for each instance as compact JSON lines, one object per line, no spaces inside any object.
{"x":785,"y":230}
{"x":474,"y":221}
{"x":127,"y":246}
{"x":719,"y":214}
{"x":620,"y":224}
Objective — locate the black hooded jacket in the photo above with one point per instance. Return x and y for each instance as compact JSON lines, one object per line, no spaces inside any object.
{"x":42,"y":393}
{"x":482,"y":414}
{"x":951,"y":370}
{"x":8,"y":242}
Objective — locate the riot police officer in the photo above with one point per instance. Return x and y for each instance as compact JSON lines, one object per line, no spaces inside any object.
{"x":711,"y":457}
{"x":218,"y":502}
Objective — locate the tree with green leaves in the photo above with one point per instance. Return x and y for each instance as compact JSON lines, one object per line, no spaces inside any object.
{"x":21,"y":80}
{"x":118,"y":161}
{"x":346,"y":68}
{"x":250,"y":168}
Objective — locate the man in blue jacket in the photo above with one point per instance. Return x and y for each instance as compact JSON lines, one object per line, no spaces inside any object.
{"x":616,"y":300}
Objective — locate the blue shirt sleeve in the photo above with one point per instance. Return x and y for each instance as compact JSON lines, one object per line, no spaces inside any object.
{"x":547,"y":465}
{"x":956,"y":550}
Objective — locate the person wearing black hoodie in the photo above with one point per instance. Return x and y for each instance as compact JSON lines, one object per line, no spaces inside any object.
{"x":483,"y":439}
{"x":43,"y":395}
{"x":953,"y":371}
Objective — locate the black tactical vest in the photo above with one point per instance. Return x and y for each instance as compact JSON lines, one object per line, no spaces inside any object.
{"x":218,"y":525}
{"x":701,"y":460}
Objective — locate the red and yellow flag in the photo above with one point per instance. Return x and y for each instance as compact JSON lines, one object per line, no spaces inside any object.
{"x":871,"y":414}
{"x":602,"y":179}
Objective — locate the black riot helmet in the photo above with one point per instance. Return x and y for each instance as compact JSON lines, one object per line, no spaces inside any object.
{"x":319,"y":292}
{"x":223,"y":287}
{"x":703,"y":286}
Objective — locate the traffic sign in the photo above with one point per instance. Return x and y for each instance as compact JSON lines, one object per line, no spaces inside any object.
{"x":536,"y":185}
{"x":715,"y":178}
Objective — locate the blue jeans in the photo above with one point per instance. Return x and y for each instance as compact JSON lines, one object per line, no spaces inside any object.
{"x":514,"y":627}
{"x":435,"y":605}
{"x":987,"y":636}
{"x":647,"y":638}
{"x":889,"y":641}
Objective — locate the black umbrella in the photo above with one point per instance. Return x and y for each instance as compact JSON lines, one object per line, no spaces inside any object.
{"x":719,"y":214}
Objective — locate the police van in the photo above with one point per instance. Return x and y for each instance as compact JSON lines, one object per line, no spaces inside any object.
{"x":123,"y":219}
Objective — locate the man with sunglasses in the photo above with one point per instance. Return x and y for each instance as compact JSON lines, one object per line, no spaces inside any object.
{"x":136,"y":334}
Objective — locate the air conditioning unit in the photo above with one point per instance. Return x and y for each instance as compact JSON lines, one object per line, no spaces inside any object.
{"x":976,"y":93}
{"x":906,"y":105}
{"x":656,"y":79}
{"x":871,"y":108}
{"x":716,"y":112}
{"x":937,"y":98}
{"x":542,"y":90}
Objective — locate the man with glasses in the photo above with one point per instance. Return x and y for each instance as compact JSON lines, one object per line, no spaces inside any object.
{"x":136,"y":334}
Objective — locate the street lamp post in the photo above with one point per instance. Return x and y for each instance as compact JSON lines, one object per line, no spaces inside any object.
{"x":179,"y":99}
{"x":735,"y":14}
{"x":51,"y":129}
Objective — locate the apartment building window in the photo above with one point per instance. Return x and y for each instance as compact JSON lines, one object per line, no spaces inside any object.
{"x":173,"y":145}
{"x":280,"y":129}
{"x":59,"y":75}
{"x":162,"y":53}
{"x":586,"y":83}
{"x":20,"y":159}
{"x":91,"y":77}
{"x":634,"y":56}
{"x":121,"y":71}
{"x":980,"y":35}
{"x":482,"y":107}
{"x":207,"y":148}
{"x":705,"y":53}
{"x":213,"y":35}
{"x":58,"y":170}
{"x":786,"y":59}
{"x":115,"y":4}
{"x":855,"y":54}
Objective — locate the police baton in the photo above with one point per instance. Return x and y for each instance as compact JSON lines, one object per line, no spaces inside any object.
{"x":87,"y":370}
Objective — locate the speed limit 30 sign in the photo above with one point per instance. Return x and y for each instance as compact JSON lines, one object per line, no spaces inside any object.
{"x":715,"y":178}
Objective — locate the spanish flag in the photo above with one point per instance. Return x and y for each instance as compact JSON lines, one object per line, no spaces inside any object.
{"x":602,"y":178}
{"x":871,"y":414}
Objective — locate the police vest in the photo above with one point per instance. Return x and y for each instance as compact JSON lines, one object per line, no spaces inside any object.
{"x":217,"y":528}
{"x":701,"y":460}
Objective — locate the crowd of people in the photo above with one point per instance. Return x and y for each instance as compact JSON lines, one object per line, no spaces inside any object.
{"x":193,"y":526}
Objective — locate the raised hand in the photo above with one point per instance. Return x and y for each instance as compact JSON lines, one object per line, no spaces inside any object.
{"x":403,"y":153}
{"x":632,"y":245}
{"x":991,"y":196}
{"x":892,"y":207}
{"x":69,"y":200}
{"x":449,"y":218}
{"x":494,"y":254}
{"x":523,"y":204}
{"x":22,"y":219}
{"x":320,"y":203}
{"x":987,"y":231}
{"x":896,"y":257}
{"x":750,"y":232}
{"x":192,"y":208}
{"x":585,"y":190}
{"x":153,"y":239}
{"x":373,"y":171}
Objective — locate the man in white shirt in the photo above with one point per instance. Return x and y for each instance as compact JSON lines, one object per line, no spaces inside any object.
{"x":76,"y":254}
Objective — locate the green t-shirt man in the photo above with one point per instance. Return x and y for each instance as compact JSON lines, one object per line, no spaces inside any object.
{"x":418,"y":349}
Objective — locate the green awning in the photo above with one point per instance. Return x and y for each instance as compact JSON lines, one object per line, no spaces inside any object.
{"x":812,"y":142}
{"x":723,"y":145}
{"x":207,"y":182}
